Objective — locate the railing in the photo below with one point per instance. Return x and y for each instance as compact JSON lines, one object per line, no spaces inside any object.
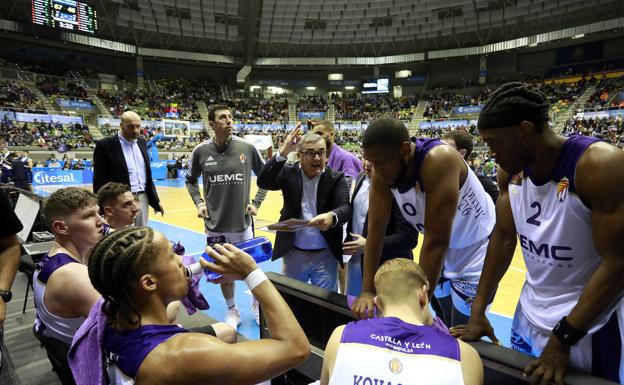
{"x":596,"y":109}
{"x":501,"y":365}
{"x":24,"y":110}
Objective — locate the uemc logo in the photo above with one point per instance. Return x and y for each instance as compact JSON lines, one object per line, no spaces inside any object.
{"x":544,"y":249}
{"x":225,"y":178}
{"x":41,"y":177}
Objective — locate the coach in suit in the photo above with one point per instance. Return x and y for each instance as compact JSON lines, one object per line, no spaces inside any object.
{"x":314,"y":192}
{"x":400,"y":239}
{"x":123,"y":158}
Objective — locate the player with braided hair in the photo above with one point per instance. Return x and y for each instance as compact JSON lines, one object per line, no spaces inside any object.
{"x":138,"y":273}
{"x":562,"y":197}
{"x":125,"y":252}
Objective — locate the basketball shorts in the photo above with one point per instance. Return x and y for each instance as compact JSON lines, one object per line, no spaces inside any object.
{"x":214,"y":238}
{"x":461,"y":290}
{"x":599,"y":354}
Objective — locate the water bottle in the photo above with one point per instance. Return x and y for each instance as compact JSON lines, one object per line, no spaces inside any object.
{"x":259,"y":248}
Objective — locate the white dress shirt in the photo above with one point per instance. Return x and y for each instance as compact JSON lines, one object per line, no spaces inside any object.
{"x":135,"y":163}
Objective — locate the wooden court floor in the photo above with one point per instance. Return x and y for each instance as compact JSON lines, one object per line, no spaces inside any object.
{"x":180,"y":211}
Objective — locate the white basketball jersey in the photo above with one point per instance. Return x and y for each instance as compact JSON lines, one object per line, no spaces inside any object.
{"x":47,"y":323}
{"x":389,"y":351}
{"x":474,"y":218}
{"x":555,"y":233}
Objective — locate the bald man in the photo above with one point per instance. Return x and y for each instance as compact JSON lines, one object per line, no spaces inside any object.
{"x":123,"y":158}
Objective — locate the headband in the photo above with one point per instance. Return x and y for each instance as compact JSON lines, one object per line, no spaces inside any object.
{"x":497,"y":119}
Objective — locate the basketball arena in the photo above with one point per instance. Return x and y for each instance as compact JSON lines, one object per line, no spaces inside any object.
{"x":222,"y":108}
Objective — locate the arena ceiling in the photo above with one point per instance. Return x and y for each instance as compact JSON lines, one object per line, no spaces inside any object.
{"x":248,"y":29}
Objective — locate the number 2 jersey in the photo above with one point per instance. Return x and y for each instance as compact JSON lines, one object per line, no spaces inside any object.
{"x":474,"y":218}
{"x":555,"y":233}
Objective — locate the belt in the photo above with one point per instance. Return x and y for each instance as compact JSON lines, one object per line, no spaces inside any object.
{"x":137,"y":193}
{"x":310,"y":250}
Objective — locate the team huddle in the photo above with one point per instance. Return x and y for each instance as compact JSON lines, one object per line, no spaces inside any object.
{"x":560,"y":196}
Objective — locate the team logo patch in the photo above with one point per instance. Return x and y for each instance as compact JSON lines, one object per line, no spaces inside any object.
{"x":395,"y":366}
{"x":562,"y":188}
{"x":243,"y":158}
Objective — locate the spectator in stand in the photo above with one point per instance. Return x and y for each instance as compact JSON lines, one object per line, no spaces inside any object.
{"x":462,"y":142}
{"x":18,"y":172}
{"x":337,"y":158}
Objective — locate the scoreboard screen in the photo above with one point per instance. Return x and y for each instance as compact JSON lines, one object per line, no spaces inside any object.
{"x":69,"y":15}
{"x":376,"y":85}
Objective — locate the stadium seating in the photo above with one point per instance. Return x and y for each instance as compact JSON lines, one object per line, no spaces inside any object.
{"x":16,"y":96}
{"x":365,"y":109}
{"x":45,"y":135}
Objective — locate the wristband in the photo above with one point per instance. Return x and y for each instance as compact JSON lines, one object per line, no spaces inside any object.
{"x":566,"y":333}
{"x":255,"y":278}
{"x":201,"y":204}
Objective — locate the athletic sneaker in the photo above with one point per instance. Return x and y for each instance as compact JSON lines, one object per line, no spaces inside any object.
{"x":232,"y":317}
{"x":255,"y":308}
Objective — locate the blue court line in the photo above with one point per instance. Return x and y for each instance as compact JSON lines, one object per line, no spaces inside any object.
{"x":171,"y":182}
{"x":502,"y":328}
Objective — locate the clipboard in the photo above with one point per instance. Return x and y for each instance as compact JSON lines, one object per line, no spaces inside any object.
{"x":289,"y":225}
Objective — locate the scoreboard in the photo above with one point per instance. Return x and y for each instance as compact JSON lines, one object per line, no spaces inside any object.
{"x":64,"y":14}
{"x":376,"y":85}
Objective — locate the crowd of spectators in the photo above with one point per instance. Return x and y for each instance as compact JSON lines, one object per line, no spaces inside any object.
{"x":162,"y":99}
{"x":609,"y":129}
{"x":360,"y":108}
{"x":312,"y":103}
{"x":155,"y":105}
{"x":49,"y":136}
{"x":16,"y":96}
{"x":608,"y":94}
{"x":59,"y":86}
{"x":262,"y":110}
{"x":440,"y":101}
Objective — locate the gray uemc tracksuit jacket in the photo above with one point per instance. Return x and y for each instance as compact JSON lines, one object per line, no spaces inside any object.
{"x":227,"y":183}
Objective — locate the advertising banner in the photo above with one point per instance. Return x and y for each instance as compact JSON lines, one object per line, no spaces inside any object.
{"x":467,"y":110}
{"x":63,"y":119}
{"x":7,"y":115}
{"x":78,"y":104}
{"x":304,"y":115}
{"x":443,"y":124}
{"x":196,"y":126}
{"x":47,"y":176}
{"x":599,"y":114}
{"x":159,"y":169}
